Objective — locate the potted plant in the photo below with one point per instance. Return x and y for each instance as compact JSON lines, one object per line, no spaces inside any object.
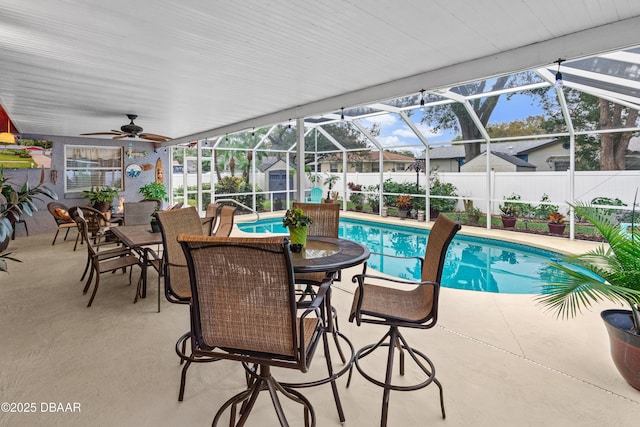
{"x":101,"y":197}
{"x":298,"y":224}
{"x":15,"y":203}
{"x":509,"y":211}
{"x":556,"y":223}
{"x":372,"y":198}
{"x":611,"y":272}
{"x":403,"y":203}
{"x":154,"y":191}
{"x":356,"y":197}
{"x":330,"y":181}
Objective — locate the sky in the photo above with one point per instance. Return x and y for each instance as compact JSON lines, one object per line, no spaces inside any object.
{"x":394,"y":132}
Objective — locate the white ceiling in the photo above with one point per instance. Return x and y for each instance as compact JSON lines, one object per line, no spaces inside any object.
{"x":193,"y":68}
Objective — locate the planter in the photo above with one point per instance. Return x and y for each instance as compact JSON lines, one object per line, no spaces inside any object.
{"x":420,"y":215}
{"x":328,"y":200}
{"x":433,"y":213}
{"x":625,"y":346}
{"x":298,"y":238}
{"x":556,"y":228}
{"x":383,"y":211}
{"x":402,"y":213}
{"x":102,"y":206}
{"x":509,"y":221}
{"x":473,"y":219}
{"x":155,"y":227}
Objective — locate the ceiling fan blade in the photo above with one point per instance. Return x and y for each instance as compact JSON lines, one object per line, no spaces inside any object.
{"x":101,"y":133}
{"x":154,"y":137}
{"x":120,"y":136}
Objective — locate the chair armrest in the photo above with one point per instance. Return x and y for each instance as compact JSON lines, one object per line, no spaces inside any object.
{"x":315,"y":307}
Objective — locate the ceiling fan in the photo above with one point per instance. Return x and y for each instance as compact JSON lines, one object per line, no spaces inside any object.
{"x":131,"y":130}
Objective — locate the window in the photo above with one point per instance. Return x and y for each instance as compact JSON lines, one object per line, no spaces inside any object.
{"x":333,"y":167}
{"x":375,"y":167}
{"x":399,"y":166}
{"x":87,"y":166}
{"x":358,"y":167}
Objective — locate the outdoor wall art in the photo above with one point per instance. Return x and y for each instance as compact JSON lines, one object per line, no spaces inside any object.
{"x":26,"y":154}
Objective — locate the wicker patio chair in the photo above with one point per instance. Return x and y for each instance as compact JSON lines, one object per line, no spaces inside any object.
{"x":226,"y":217}
{"x":139,"y":213}
{"x":253,"y":276}
{"x":177,"y":288}
{"x":97,"y":225}
{"x":60,"y":213}
{"x":102,"y":262}
{"x":415,"y":307}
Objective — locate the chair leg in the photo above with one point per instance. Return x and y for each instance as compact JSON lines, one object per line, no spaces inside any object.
{"x":95,"y":289}
{"x":65,"y":235}
{"x":56,"y":236}
{"x":334,"y":387}
{"x":183,"y":380}
{"x":397,"y":341}
{"x":387,"y":379}
{"x":247,"y":398}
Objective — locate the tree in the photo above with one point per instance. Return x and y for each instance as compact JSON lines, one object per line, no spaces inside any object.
{"x":455,"y":116}
{"x":531,"y":125}
{"x":615,"y":145}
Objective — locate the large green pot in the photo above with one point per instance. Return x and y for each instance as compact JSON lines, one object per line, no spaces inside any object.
{"x":298,"y":238}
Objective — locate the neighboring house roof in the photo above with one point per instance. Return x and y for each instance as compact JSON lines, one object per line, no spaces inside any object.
{"x":513,"y":159}
{"x":266,"y":164}
{"x":371,"y":156}
{"x":513,"y":148}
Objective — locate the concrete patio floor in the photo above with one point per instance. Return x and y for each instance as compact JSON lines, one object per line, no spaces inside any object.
{"x":501,"y":359}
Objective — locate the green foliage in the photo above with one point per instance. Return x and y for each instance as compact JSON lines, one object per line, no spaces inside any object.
{"x":439,"y":188}
{"x":101,"y":194}
{"x":154,"y":190}
{"x":296,"y":217}
{"x":233,"y":185}
{"x":607,"y":201}
{"x":510,"y":208}
{"x":612,"y":271}
{"x":356,"y":198}
{"x":542,"y":211}
{"x":15,"y":203}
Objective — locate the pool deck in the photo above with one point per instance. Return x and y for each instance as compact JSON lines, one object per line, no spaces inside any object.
{"x":501,"y":359}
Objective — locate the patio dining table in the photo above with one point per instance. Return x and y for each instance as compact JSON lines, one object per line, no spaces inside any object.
{"x":140,"y":238}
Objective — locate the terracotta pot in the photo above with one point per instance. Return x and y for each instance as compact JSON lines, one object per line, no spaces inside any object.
{"x":102,"y":206}
{"x":509,"y":221}
{"x":625,"y":346}
{"x":556,"y":228}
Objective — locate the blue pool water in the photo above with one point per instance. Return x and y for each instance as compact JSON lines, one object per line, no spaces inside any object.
{"x":472,"y":263}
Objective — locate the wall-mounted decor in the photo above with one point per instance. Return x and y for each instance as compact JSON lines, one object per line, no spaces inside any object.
{"x":133,"y":170}
{"x":27,"y":154}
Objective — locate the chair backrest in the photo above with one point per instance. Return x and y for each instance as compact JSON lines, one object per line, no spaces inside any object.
{"x":440,"y":236}
{"x":60,"y":212}
{"x":83,"y":229}
{"x":176,"y":274}
{"x":94,"y":218}
{"x":225,"y":221}
{"x":176,"y":206}
{"x":139,"y":213}
{"x":243,"y":294}
{"x":211,"y":218}
{"x":325,"y":217}
{"x":315,"y":195}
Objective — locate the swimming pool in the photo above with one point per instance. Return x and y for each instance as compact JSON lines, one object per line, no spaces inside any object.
{"x":472,"y":263}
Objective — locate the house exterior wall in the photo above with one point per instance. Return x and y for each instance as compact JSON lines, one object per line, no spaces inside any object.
{"x":479,"y":164}
{"x":445,"y":165}
{"x":539,"y":157}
